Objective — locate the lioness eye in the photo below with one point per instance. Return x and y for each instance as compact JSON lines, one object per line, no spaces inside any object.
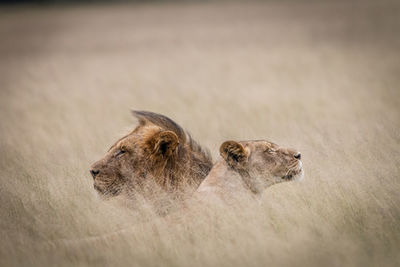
{"x":120,"y":153}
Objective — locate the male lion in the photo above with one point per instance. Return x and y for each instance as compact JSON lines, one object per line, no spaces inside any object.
{"x":250,"y":166}
{"x":158,"y":151}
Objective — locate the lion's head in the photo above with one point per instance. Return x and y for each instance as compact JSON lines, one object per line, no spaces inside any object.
{"x":262,"y":163}
{"x":159,"y":150}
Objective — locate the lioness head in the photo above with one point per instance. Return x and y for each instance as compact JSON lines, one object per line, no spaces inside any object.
{"x":158,"y":150}
{"x":262,"y":163}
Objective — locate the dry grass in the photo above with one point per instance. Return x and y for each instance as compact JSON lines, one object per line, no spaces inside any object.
{"x":320,"y":77}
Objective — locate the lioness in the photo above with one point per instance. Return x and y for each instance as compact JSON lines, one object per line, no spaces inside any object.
{"x":158,"y":150}
{"x":250,"y":166}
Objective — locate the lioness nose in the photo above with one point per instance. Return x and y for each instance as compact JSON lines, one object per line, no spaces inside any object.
{"x":297,"y":155}
{"x":94,"y":173}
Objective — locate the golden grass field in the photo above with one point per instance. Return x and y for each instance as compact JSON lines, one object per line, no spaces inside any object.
{"x":321,"y":77}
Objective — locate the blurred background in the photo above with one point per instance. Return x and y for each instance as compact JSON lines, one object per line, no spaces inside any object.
{"x":320,"y":76}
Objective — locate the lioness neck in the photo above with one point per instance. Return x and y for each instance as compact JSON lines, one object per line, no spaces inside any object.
{"x":222,"y":179}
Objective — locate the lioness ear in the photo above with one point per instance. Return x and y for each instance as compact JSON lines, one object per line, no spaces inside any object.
{"x":163,"y":143}
{"x":234,"y":154}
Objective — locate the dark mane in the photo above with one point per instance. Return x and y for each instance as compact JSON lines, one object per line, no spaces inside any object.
{"x":201,"y":155}
{"x":160,"y":154}
{"x":160,"y":120}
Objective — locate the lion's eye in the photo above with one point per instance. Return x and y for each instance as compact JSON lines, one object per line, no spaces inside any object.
{"x":270,"y":150}
{"x":121,"y":152}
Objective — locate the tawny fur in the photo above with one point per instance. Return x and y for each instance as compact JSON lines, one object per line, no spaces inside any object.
{"x":157,"y":152}
{"x":249,"y":167}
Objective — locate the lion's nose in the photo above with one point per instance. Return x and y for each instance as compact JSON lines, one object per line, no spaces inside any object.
{"x":297,"y":155}
{"x":94,"y":173}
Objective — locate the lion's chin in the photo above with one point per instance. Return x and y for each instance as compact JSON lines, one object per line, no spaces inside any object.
{"x":105,"y":194}
{"x":99,"y":193}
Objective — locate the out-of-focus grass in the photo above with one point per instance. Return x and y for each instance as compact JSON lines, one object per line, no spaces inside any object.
{"x":320,"y":77}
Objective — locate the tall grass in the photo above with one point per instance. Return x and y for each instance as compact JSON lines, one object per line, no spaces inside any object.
{"x":319,"y":77}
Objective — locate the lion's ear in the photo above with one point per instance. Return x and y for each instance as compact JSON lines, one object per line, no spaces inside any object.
{"x":234,"y":154}
{"x":163,"y":143}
